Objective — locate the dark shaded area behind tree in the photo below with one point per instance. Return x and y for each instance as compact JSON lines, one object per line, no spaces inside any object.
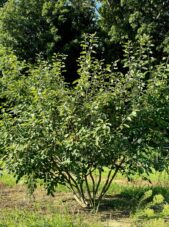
{"x":44,"y":27}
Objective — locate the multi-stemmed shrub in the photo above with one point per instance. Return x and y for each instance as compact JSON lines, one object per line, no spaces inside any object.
{"x":107,"y":121}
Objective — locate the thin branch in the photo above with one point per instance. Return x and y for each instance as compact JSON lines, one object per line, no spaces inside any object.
{"x":69,"y":180}
{"x":82,"y":192}
{"x":88,"y":191}
{"x":109,"y":181}
{"x":109,"y":3}
{"x":82,"y":204}
{"x":79,"y":195}
{"x":114,"y":175}
{"x":99,"y":181}
{"x":73,"y":180}
{"x":108,"y":177}
{"x":93,"y":182}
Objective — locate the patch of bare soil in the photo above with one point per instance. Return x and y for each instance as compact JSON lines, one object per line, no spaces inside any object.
{"x":17,"y":197}
{"x":124,"y":222}
{"x":2,"y":185}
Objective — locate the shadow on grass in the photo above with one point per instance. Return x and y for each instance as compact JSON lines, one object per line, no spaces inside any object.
{"x":125,"y":203}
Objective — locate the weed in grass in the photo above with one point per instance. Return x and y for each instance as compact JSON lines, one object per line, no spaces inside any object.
{"x":152,"y":210}
{"x":157,"y":222}
{"x":7,"y":179}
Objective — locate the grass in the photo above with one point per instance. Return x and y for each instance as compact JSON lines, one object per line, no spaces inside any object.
{"x":153,"y":223}
{"x":119,"y":207}
{"x":7,"y":180}
{"x":21,"y":210}
{"x":29,"y":218}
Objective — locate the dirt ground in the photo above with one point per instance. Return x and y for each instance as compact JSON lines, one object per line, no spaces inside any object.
{"x":17,"y":197}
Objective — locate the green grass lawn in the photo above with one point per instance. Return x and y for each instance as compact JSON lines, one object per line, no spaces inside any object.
{"x":124,"y":205}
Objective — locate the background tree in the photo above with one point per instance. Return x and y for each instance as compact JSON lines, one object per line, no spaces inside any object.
{"x":45,"y":27}
{"x":2,"y":2}
{"x":133,"y":19}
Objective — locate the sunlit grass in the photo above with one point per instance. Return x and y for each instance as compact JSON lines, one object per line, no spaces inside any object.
{"x":122,"y":197}
{"x":7,"y":179}
{"x":25,"y":218}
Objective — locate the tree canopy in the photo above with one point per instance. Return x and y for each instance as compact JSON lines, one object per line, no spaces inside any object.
{"x":136,"y":20}
{"x":46,"y":27}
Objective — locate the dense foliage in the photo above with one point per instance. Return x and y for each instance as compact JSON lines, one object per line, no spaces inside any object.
{"x":68,"y":136}
{"x":63,"y":130}
{"x":46,"y":27}
{"x":131,"y":19}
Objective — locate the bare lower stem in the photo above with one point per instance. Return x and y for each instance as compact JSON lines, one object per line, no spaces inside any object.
{"x":82,"y":192}
{"x":94,"y":188}
{"x":88,"y":191}
{"x":82,"y":204}
{"x":90,"y":198}
{"x":109,"y":180}
{"x":77,"y":190}
{"x":99,"y":181}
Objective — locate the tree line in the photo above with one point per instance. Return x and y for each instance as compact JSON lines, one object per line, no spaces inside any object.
{"x":44,"y":27}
